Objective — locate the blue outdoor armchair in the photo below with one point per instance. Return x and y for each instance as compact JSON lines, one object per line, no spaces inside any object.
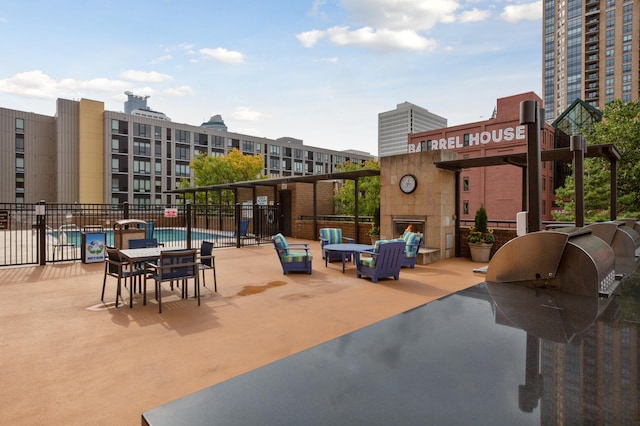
{"x":293,"y":257}
{"x":332,"y":236}
{"x":385,"y":260}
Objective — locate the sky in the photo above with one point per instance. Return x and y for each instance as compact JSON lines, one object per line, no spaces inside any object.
{"x":316,"y":70}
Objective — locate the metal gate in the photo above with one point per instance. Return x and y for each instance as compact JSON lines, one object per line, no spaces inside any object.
{"x":52,"y":232}
{"x":18,"y":236}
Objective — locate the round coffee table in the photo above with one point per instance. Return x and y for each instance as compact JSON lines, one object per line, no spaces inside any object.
{"x":344,"y":250}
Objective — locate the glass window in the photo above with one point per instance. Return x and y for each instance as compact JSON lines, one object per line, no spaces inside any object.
{"x":19,"y":143}
{"x":142,"y":130}
{"x":465,"y":184}
{"x":183,"y":136}
{"x":19,"y":125}
{"x":218,"y":141}
{"x":20,"y":164}
{"x":465,"y":207}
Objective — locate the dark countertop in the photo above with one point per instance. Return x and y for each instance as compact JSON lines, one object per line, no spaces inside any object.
{"x":486,"y":355}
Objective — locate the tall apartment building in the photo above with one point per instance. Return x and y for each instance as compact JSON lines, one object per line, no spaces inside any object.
{"x":591,"y":51}
{"x":394,"y":127}
{"x":86,"y":154}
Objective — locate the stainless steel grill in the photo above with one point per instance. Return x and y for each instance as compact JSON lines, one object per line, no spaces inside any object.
{"x":624,"y":241}
{"x":571,"y":260}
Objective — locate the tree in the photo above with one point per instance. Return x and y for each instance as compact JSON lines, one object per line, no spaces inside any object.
{"x":620,"y":126}
{"x":234,"y":167}
{"x":369,"y":187}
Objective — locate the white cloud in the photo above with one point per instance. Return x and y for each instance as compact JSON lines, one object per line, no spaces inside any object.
{"x":473,"y":15}
{"x":247,"y":114}
{"x":310,"y":38}
{"x":37,"y":84}
{"x":381,"y":39}
{"x":315,"y":8}
{"x":416,"y":15}
{"x":332,"y":60}
{"x":520,"y":12}
{"x":221,"y":54}
{"x":34,"y":84}
{"x":179,"y":91}
{"x":161,"y":59}
{"x":393,"y":24}
{"x":145,"y":77}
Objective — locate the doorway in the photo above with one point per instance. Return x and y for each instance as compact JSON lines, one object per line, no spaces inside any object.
{"x":284,"y":221}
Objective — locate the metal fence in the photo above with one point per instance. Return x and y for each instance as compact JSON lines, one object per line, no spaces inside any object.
{"x":53,"y":232}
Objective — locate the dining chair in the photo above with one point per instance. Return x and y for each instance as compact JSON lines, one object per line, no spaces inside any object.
{"x":208,"y":261}
{"x":173,"y":265}
{"x":115,"y":266}
{"x":143,"y":243}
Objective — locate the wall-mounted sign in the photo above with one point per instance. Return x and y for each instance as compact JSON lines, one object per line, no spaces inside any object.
{"x":171,"y":212}
{"x":262,"y":200}
{"x":474,"y":139}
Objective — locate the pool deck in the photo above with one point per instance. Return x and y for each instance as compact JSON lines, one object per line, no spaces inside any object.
{"x":70,"y":359}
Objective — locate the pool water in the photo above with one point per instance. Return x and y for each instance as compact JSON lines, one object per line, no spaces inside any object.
{"x":163,"y":235}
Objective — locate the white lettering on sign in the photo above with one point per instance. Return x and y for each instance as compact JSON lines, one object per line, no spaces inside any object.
{"x":475,"y":139}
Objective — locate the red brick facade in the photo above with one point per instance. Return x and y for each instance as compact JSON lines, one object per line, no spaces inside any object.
{"x":499,"y":188}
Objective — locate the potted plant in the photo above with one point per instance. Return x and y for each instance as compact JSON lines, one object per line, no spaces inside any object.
{"x":480,"y":238}
{"x":374,"y":233}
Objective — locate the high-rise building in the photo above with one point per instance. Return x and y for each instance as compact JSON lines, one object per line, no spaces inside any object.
{"x":394,"y":127}
{"x":87,"y":154}
{"x":591,"y":51}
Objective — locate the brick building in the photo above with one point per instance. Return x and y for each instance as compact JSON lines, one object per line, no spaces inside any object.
{"x":499,"y":188}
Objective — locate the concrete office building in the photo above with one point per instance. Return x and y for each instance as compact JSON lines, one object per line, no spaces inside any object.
{"x":395,"y":125}
{"x":591,"y":51}
{"x":86,"y":154}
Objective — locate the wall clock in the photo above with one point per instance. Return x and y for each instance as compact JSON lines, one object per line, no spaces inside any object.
{"x":408,"y":183}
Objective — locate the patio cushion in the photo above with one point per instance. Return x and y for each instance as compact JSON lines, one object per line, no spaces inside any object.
{"x":412,"y":240}
{"x":331,"y":235}
{"x":379,"y":242}
{"x":371,"y":261}
{"x":281,"y":243}
{"x":300,"y":256}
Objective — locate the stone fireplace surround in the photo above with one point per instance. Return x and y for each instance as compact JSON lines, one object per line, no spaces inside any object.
{"x":431,"y":205}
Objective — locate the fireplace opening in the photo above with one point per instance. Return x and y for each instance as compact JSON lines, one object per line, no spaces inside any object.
{"x":413,"y":224}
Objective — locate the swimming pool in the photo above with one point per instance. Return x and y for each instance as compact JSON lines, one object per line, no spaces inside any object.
{"x":163,"y":235}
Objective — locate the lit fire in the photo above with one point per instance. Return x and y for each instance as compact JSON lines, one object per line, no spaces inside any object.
{"x":409,"y":228}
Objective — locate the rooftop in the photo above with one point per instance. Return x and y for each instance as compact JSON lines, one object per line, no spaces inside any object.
{"x":73,"y":358}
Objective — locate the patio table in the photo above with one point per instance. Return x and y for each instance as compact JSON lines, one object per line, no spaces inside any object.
{"x":344,"y":250}
{"x":142,"y":254}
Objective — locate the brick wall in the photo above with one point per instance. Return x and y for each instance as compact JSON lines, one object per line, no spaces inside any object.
{"x":304,"y":229}
{"x":502,"y":236}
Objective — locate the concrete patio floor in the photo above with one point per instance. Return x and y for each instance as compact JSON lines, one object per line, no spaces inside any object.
{"x":69,"y":359}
